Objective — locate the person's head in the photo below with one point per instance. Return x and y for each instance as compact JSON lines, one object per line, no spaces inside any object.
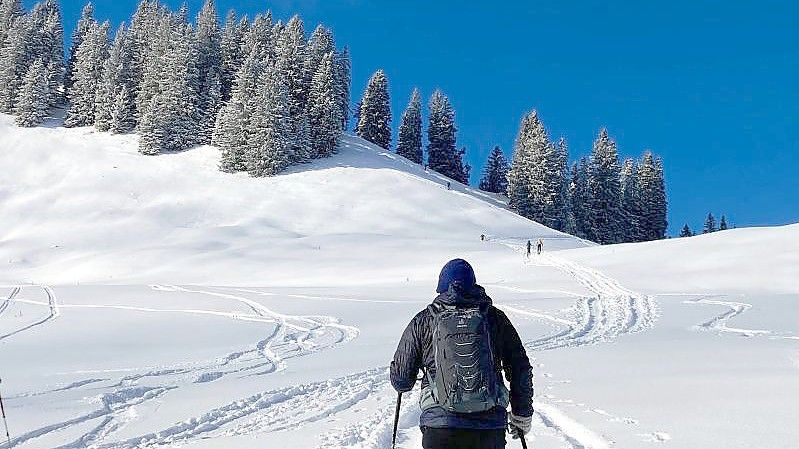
{"x":458,"y":273}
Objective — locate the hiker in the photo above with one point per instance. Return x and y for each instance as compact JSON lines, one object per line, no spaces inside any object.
{"x":539,"y":246}
{"x":449,"y":185}
{"x":464,"y":399}
{"x":482,"y":237}
{"x":529,"y":248}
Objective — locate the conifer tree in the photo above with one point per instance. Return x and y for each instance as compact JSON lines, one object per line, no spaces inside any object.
{"x":15,"y":55}
{"x":323,"y":109}
{"x":461,"y":170}
{"x":374,"y":118}
{"x":230,"y":48}
{"x":123,"y":116}
{"x":291,"y":54}
{"x":260,"y":35}
{"x":85,"y":22}
{"x":169,"y":123}
{"x":47,"y":43}
{"x":686,"y":231}
{"x":10,"y":10}
{"x":495,"y":173}
{"x":319,"y":45}
{"x":235,"y":121}
{"x":33,"y":100}
{"x":343,"y":72}
{"x":631,"y":202}
{"x":209,"y":71}
{"x":409,"y":143}
{"x":540,"y":167}
{"x":442,"y":155}
{"x":89,"y":60}
{"x":578,"y":195}
{"x":116,"y":77}
{"x":653,"y":222}
{"x":270,"y":144}
{"x":710,"y":224}
{"x":723,"y":223}
{"x":604,"y":187}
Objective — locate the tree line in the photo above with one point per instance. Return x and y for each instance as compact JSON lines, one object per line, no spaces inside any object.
{"x":599,"y":197}
{"x":709,"y":227}
{"x":264,"y":93}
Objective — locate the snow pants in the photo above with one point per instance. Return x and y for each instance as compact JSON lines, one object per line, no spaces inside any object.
{"x":445,"y":438}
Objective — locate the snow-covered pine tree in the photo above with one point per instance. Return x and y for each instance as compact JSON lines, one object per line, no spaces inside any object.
{"x":9,"y":11}
{"x":270,"y":143}
{"x":259,"y":35}
{"x":323,"y":109}
{"x":319,"y":45}
{"x":47,"y":43}
{"x":631,"y":202}
{"x":541,"y":167}
{"x":374,"y":118}
{"x":123,"y":116}
{"x":495,"y":173}
{"x":723,"y":223}
{"x":234,"y":123}
{"x":343,"y":71}
{"x":409,"y":142}
{"x":209,"y":71}
{"x":15,"y":58}
{"x":652,"y":216}
{"x":578,"y":195}
{"x":116,"y":77}
{"x":291,"y":54}
{"x":89,"y":60}
{"x":230,"y":47}
{"x":169,"y":122}
{"x":149,"y":45}
{"x":33,"y":100}
{"x":85,"y":22}
{"x":441,"y":153}
{"x":710,"y":224}
{"x":686,"y":231}
{"x":604,"y":187}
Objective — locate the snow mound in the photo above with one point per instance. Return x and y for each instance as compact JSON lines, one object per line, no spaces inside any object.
{"x":83,"y":206}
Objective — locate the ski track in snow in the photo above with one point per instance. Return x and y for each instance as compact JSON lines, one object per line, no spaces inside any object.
{"x":719,"y":323}
{"x":612,"y":311}
{"x":52,"y":305}
{"x":292,"y":336}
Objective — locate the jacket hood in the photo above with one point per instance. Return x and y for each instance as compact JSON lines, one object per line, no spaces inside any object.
{"x":457,"y":295}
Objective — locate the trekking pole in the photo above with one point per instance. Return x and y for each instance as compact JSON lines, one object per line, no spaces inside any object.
{"x":520,"y":434}
{"x":5,"y":421}
{"x":396,"y":421}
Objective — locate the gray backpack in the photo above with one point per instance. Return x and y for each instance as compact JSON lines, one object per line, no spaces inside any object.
{"x":466,"y":378}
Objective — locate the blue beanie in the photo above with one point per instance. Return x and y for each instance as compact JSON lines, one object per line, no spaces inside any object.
{"x":456,"y":270}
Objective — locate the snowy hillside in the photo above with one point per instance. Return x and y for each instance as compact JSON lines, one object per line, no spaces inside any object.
{"x":156,"y":302}
{"x":84,"y":207}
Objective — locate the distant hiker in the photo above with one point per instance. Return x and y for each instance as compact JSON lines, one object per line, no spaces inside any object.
{"x":449,"y":185}
{"x":529,"y":248}
{"x":482,"y":237}
{"x":539,"y":246}
{"x":463,"y":344}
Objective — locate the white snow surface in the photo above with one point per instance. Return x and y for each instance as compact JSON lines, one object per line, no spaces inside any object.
{"x":157,"y":302}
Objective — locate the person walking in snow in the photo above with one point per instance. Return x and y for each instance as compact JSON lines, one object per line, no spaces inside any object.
{"x":539,"y":246}
{"x":529,"y":248}
{"x":463,"y":345}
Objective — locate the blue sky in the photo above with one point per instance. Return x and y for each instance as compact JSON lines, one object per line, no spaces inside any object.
{"x":712,"y":87}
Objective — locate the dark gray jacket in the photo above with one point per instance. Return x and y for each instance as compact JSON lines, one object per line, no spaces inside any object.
{"x":415,"y":353}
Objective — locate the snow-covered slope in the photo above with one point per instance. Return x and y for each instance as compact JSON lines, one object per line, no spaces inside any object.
{"x":156,"y":302}
{"x":82,"y":206}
